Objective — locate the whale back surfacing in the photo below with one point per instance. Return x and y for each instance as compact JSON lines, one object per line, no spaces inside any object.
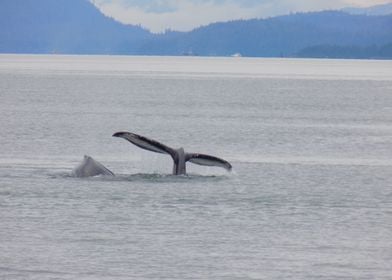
{"x":90,"y":167}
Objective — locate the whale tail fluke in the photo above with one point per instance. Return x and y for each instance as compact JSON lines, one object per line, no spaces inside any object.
{"x":178,"y":155}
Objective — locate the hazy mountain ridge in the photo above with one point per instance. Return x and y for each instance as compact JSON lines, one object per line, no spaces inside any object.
{"x":63,"y":26}
{"x":78,"y":27}
{"x":378,"y":10}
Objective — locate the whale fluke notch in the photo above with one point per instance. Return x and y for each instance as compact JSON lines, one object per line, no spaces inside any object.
{"x":178,"y":155}
{"x":90,"y":167}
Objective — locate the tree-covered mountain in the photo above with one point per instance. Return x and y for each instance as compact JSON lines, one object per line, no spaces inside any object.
{"x":78,"y":27}
{"x":63,"y":26}
{"x":278,"y":36}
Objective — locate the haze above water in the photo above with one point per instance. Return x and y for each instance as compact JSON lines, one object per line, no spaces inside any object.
{"x":309,"y":197}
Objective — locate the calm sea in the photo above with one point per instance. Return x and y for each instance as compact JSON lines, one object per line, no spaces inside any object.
{"x":310,"y":195}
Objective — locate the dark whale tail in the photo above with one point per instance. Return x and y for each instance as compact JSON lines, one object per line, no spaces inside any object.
{"x":178,"y":155}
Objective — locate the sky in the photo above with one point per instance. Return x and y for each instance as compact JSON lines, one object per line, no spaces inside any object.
{"x":185,"y":15}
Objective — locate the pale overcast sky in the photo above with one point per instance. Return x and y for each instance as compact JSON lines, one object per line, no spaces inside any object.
{"x":184,"y":15}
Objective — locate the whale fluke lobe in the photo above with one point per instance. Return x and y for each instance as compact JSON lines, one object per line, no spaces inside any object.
{"x":208,"y":160}
{"x":178,"y":155}
{"x":145,"y":143}
{"x":90,"y":167}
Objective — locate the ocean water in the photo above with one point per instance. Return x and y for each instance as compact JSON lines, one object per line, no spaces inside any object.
{"x":310,"y":195}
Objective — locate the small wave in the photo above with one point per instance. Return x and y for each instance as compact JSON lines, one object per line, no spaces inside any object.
{"x":13,"y":172}
{"x":5,"y":193}
{"x":33,"y":271}
{"x":151,"y":177}
{"x":317,"y":161}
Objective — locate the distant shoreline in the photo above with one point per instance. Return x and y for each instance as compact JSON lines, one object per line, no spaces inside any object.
{"x":321,"y":57}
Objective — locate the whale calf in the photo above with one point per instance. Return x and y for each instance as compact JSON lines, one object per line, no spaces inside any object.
{"x":90,"y":167}
{"x":179,"y":156}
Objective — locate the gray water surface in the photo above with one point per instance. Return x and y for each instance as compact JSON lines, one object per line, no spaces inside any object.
{"x":310,"y":195}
